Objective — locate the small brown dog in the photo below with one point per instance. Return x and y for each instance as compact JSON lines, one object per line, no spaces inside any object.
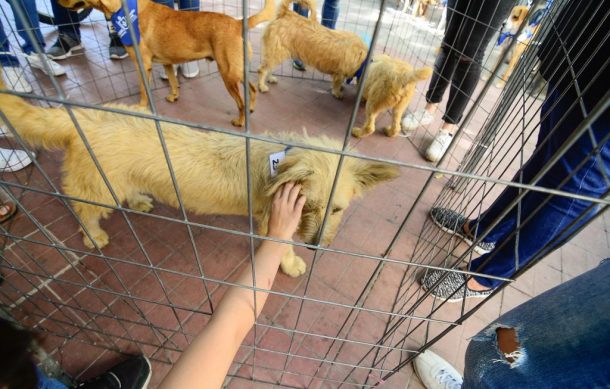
{"x":210,"y":169}
{"x":390,"y":84}
{"x":289,"y":35}
{"x":172,"y":37}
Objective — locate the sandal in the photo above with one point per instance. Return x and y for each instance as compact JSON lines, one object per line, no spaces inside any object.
{"x":7,"y":210}
{"x":7,"y":206}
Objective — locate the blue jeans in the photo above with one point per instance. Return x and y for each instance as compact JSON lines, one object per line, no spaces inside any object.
{"x":563,"y":335}
{"x":48,"y":383}
{"x":185,"y":5}
{"x":29,"y":10}
{"x":66,"y":21}
{"x":547,"y":223}
{"x":330,"y":12}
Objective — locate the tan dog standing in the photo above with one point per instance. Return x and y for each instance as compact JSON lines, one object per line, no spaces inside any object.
{"x":517,"y":17}
{"x":210,"y":169}
{"x":390,"y":84}
{"x":289,"y":35}
{"x":172,"y":37}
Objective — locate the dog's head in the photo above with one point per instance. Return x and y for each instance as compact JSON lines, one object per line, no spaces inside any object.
{"x":315,"y":171}
{"x":108,"y":7}
{"x":517,"y":16}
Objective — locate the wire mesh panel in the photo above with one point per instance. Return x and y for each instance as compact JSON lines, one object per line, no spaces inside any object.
{"x":148,"y":277}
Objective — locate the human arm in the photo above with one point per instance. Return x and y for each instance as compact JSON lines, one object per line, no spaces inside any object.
{"x":207,"y":359}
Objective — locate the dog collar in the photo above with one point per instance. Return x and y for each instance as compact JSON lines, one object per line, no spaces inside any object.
{"x":275,"y":159}
{"x":119,"y":22}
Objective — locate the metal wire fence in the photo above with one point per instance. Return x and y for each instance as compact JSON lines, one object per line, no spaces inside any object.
{"x":357,"y":316}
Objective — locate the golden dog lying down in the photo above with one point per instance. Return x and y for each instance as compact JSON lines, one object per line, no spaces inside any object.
{"x":172,"y":37}
{"x":289,"y":35}
{"x":390,"y":84}
{"x":210,"y":169}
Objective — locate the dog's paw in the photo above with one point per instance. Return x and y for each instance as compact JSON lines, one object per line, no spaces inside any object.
{"x":338,"y":95}
{"x":142,"y":204}
{"x":272,"y":79}
{"x":391,"y":131}
{"x":171,"y":97}
{"x":101,"y":239}
{"x":500,"y":84}
{"x":263,"y":88}
{"x":295,"y":267}
{"x":237,"y":122}
{"x":360,"y":132}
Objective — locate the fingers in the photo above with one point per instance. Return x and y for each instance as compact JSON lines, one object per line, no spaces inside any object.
{"x":294,"y":194}
{"x":300,"y":203}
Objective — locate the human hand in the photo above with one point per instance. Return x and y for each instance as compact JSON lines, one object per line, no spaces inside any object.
{"x":286,"y":211}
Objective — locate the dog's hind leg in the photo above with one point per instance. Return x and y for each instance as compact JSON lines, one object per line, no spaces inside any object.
{"x":252,"y":96}
{"x":140,"y":202}
{"x":90,"y":216}
{"x":337,"y":90}
{"x":173,"y":84}
{"x":369,"y":127}
{"x":397,"y":113}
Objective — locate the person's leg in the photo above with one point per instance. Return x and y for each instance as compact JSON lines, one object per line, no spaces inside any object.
{"x":297,"y":63}
{"x":482,"y":19}
{"x":28,"y":8}
{"x":189,"y":5}
{"x":68,"y":27}
{"x":330,"y":13}
{"x":66,"y":21}
{"x":444,"y":66}
{"x":559,"y":338}
{"x":12,"y":73}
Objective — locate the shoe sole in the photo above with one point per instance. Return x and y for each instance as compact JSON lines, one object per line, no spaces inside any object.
{"x":477,"y":249}
{"x":42,"y":69}
{"x":145,"y":386}
{"x":453,"y":299}
{"x":68,"y":54}
{"x":114,"y":56}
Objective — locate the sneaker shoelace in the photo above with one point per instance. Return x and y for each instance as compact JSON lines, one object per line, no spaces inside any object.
{"x":446,"y":378}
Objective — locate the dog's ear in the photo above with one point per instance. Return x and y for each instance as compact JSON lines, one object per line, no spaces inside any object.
{"x":290,"y":169}
{"x":369,"y":174}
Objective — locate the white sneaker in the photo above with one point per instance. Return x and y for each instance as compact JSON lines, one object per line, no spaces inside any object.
{"x":35,"y":61}
{"x":436,"y":373}
{"x":190,"y":69}
{"x":164,"y":76}
{"x":13,"y":160}
{"x":15,"y":79}
{"x":439,"y":146}
{"x":418,"y":118}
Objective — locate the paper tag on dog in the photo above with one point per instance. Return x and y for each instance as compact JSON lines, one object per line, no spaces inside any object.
{"x":274,"y":161}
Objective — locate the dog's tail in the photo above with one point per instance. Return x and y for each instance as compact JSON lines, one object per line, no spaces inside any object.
{"x":265,"y":14}
{"x":420,"y":74}
{"x":50,"y":128}
{"x":309,"y":4}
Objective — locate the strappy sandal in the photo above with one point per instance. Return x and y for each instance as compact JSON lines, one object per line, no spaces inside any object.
{"x":7,"y":206}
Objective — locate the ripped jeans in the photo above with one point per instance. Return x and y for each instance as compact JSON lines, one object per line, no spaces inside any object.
{"x":563,"y":339}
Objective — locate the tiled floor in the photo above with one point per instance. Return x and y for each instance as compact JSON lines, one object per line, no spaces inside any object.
{"x":90,"y":306}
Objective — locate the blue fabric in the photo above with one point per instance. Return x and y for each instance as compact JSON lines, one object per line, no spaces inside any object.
{"x":29,"y":10}
{"x":121,"y":26}
{"x":48,"y":383}
{"x":330,"y":12}
{"x":560,"y":211}
{"x":66,"y":21}
{"x":184,"y":5}
{"x":6,"y":57}
{"x":563,"y":335}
